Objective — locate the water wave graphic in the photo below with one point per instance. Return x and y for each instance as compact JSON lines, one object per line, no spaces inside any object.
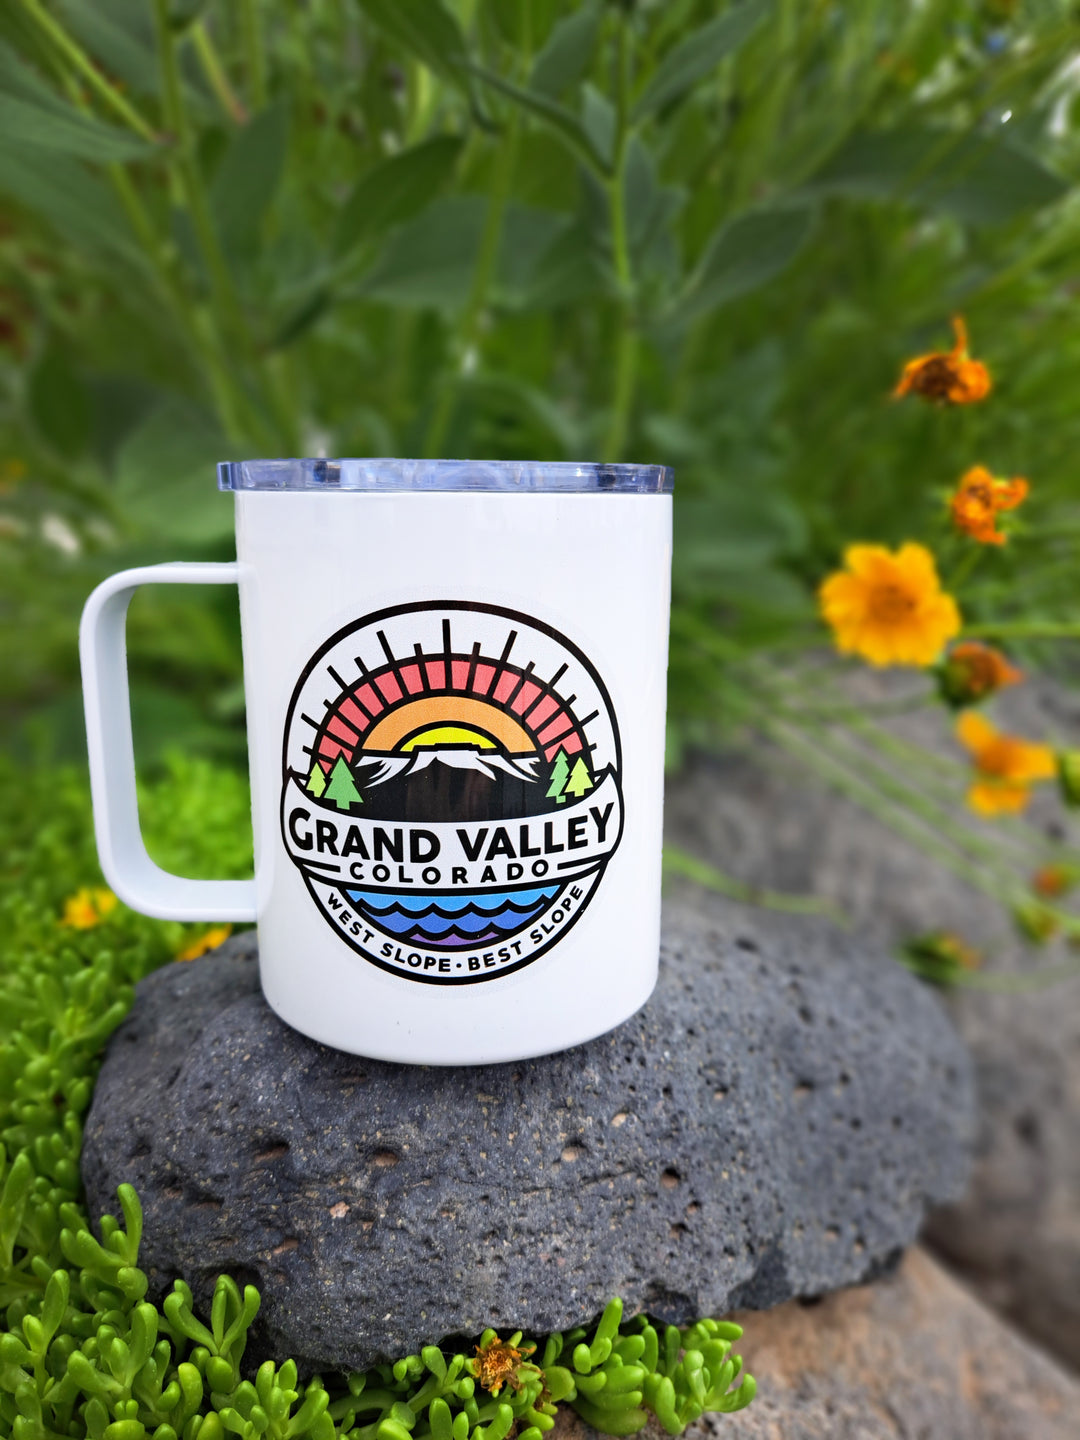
{"x":452,"y":921}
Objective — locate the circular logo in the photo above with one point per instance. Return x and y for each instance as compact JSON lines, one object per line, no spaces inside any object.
{"x":451,"y":788}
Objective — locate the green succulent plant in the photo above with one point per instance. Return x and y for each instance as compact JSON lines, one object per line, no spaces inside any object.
{"x":83,"y":1354}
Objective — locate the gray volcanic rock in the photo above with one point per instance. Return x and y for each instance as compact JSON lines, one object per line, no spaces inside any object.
{"x":774,"y":1123}
{"x":1016,"y":1232}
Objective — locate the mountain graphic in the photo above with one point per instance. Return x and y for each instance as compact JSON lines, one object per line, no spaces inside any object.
{"x":451,"y":782}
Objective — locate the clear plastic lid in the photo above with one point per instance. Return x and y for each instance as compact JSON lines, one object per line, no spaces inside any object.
{"x":508,"y":476}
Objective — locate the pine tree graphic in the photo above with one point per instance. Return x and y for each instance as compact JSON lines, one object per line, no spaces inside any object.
{"x":560,"y":773}
{"x":580,"y":779}
{"x":342,"y":787}
{"x":316,"y":781}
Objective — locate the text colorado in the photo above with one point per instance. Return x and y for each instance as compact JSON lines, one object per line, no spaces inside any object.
{"x":378,"y":854}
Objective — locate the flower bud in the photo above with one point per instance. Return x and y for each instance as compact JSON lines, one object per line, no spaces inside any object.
{"x":971,"y":671}
{"x":1068,"y":770}
{"x":940,"y":956}
{"x":1035,"y":921}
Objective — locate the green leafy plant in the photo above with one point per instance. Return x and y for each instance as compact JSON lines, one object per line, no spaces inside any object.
{"x":83,"y":1354}
{"x":698,"y":233}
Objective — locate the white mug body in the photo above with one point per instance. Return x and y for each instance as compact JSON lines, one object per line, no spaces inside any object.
{"x":461,"y":651}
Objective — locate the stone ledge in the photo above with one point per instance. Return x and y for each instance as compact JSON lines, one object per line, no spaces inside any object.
{"x":913,"y":1357}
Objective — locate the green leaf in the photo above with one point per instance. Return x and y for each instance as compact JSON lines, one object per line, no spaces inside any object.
{"x":70,"y":199}
{"x":626,"y":1422}
{"x":429,"y":262}
{"x":165,"y":478}
{"x":19,"y":78}
{"x":650,"y":210}
{"x":395,"y":190}
{"x":560,"y":121}
{"x":25,"y":126}
{"x":13,"y":1198}
{"x":568,"y":271}
{"x":701,"y":51}
{"x":598,"y":122}
{"x":425,"y":28}
{"x":735,"y":529}
{"x":979,"y":179}
{"x":117,"y":33}
{"x":247,"y":179}
{"x":59,"y":402}
{"x":743,"y":255}
{"x":568,"y":53}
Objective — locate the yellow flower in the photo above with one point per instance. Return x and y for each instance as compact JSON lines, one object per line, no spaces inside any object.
{"x":87,"y":908}
{"x":979,"y":498}
{"x":210,"y":941}
{"x":950,"y":376}
{"x":889,"y":606}
{"x":1005,"y":766}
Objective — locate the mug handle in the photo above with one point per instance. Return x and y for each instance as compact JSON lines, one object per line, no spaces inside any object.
{"x":137,"y":880}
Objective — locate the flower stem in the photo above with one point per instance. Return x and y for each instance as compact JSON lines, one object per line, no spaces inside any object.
{"x":932,"y":814}
{"x":223,"y":295}
{"x":467,"y":332}
{"x":78,"y":59}
{"x":628,"y":339}
{"x":254,"y":54}
{"x":1024,"y":630}
{"x":965,"y":567}
{"x":215,"y":74}
{"x":679,"y":862}
{"x":1021,"y":984}
{"x":917,"y":832}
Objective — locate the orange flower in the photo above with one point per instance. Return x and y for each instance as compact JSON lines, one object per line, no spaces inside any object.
{"x":500,"y":1361}
{"x":889,"y":606}
{"x":214,"y":937}
{"x":88,"y":907}
{"x":972,"y":671}
{"x":1005,"y":766}
{"x":979,"y":498}
{"x":950,"y":376}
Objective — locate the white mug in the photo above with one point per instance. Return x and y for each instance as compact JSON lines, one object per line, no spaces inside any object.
{"x":455,"y":683}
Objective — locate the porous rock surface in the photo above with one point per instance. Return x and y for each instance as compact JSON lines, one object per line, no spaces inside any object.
{"x":913,"y":1357}
{"x":774,"y":1123}
{"x":1015,"y":1234}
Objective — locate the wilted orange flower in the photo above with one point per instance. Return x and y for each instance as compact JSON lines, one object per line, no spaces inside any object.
{"x":971,"y":671}
{"x":1005,"y":765}
{"x":1054,"y":880}
{"x":500,"y":1361}
{"x":88,"y":907}
{"x":214,"y":937}
{"x":889,"y":606}
{"x":979,"y":498}
{"x":950,"y":376}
